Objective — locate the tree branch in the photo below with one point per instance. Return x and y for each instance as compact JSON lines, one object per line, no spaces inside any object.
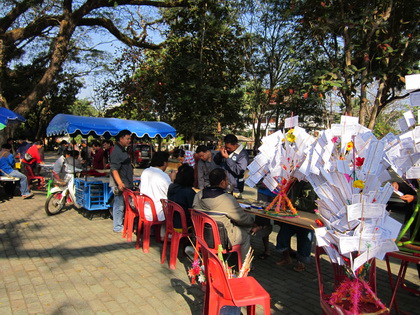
{"x":109,"y":25}
{"x":33,"y":29}
{"x":18,"y":10}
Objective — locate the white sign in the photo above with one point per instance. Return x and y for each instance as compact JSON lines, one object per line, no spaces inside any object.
{"x":412,"y":82}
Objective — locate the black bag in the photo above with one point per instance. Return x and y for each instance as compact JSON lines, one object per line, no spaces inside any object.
{"x":28,"y":157}
{"x":224,"y":239}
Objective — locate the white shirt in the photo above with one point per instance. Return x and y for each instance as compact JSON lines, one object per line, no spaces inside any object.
{"x":154,"y":183}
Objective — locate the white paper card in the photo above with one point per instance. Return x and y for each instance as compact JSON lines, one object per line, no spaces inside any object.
{"x":415,"y":99}
{"x":365,"y":210}
{"x":291,"y":122}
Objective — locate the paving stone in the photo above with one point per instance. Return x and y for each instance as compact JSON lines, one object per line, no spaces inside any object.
{"x":68,"y":264}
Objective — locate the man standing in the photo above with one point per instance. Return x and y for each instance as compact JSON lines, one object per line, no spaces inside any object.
{"x":224,"y":208}
{"x":155,"y":183}
{"x":121,"y":176}
{"x":7,"y":162}
{"x":97,"y":156}
{"x":234,"y":159}
{"x":108,"y":146}
{"x":303,"y":197}
{"x":85,"y":153}
{"x":205,"y":165}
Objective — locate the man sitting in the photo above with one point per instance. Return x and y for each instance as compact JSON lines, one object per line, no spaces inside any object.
{"x":155,"y":183}
{"x":224,"y":208}
{"x":7,"y":163}
{"x":58,"y":167}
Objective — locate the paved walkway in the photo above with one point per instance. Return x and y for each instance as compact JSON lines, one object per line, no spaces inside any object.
{"x":69,"y":264}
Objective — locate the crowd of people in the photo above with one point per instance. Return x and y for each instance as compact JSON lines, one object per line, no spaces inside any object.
{"x":22,"y":159}
{"x":213,"y":182}
{"x":208,"y":180}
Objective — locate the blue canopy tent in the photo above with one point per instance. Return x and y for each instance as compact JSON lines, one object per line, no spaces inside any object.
{"x":7,"y":116}
{"x":107,"y":127}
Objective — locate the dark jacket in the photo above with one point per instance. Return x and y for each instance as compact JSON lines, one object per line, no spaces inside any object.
{"x":225,"y":208}
{"x":184,"y":196}
{"x":303,"y":196}
{"x":235,"y":165}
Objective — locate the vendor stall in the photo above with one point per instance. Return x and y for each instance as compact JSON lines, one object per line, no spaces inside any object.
{"x":95,"y":193}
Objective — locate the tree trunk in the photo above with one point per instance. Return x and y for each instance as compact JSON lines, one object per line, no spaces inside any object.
{"x":377,"y":104}
{"x":59,"y":55}
{"x":348,"y":98}
{"x":3,"y":101}
{"x":257,"y":134}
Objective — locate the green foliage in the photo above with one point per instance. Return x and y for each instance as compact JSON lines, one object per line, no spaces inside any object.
{"x":363,"y":42}
{"x":83,"y":108}
{"x":193,"y":83}
{"x":57,"y":101}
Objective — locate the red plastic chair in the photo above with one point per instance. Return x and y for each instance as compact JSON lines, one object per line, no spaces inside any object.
{"x":145,"y":224}
{"x":31,"y":177}
{"x":339,"y":276}
{"x":131,"y":213}
{"x":221,"y":291}
{"x":169,"y":208}
{"x":200,"y":219}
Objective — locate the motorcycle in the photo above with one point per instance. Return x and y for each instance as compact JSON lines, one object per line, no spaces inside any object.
{"x":62,"y":195}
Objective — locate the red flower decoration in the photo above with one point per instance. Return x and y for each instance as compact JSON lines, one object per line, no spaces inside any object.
{"x":334,"y":139}
{"x":359,"y":161}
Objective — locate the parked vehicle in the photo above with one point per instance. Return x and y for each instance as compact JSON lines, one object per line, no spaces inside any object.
{"x":62,"y":195}
{"x":143,"y":154}
{"x":187,"y":147}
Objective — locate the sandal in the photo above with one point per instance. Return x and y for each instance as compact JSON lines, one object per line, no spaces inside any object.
{"x":28,"y":196}
{"x":299,"y":267}
{"x":284,"y":261}
{"x":263,"y":256}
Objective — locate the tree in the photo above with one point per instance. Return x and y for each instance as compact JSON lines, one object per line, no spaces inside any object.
{"x":276,"y":62}
{"x":193,"y":82}
{"x":59,"y":99}
{"x":82,"y":108}
{"x":55,"y":24}
{"x":202,"y":66}
{"x":364,"y":42}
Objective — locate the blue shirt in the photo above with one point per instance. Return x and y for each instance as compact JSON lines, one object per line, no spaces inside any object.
{"x":7,"y":162}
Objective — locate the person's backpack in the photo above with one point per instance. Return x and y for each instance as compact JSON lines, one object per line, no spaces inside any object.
{"x":224,"y":239}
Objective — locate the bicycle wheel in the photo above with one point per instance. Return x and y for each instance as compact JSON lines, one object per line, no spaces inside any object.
{"x":54,"y":204}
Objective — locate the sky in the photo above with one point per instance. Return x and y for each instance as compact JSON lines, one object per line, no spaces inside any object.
{"x":108,"y":43}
